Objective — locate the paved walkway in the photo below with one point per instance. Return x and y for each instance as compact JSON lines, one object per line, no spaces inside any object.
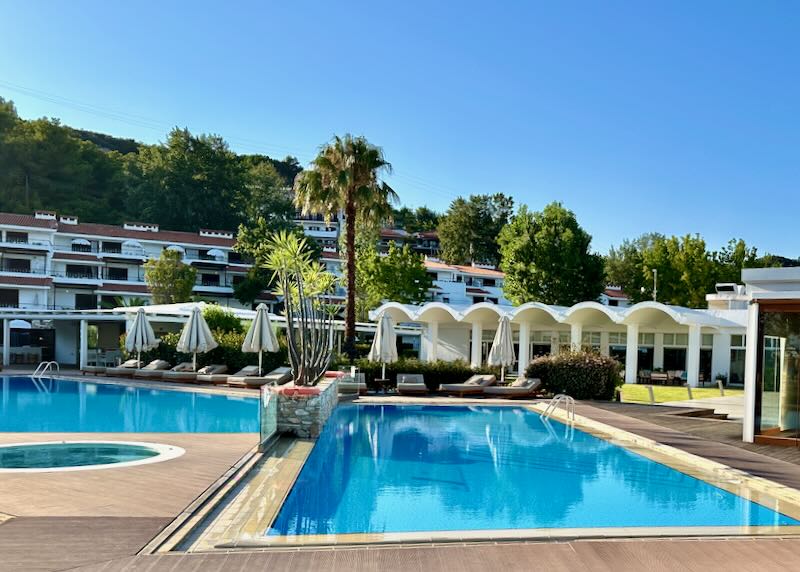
{"x":732,"y":406}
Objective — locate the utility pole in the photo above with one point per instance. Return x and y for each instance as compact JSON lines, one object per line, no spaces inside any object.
{"x":655,"y":284}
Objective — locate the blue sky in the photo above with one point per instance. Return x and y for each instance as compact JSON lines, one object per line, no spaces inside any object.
{"x":677,"y":117}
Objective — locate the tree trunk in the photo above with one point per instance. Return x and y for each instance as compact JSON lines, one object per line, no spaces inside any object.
{"x":350,"y":309}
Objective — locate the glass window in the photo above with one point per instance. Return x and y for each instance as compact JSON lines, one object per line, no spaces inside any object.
{"x":618,"y":338}
{"x":591,"y":338}
{"x":778,"y":385}
{"x":738,"y":341}
{"x":707,"y":340}
{"x":647,"y":339}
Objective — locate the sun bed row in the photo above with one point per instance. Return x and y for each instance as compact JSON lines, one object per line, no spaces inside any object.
{"x":480,"y":384}
{"x":215,"y":374}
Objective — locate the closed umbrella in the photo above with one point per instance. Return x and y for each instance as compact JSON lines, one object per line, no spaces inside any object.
{"x":140,"y":336}
{"x":260,"y":337}
{"x":384,"y":344}
{"x":196,"y":337}
{"x":502,"y":352}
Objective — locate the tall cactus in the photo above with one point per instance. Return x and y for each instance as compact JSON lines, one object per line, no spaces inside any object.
{"x":303,"y":284}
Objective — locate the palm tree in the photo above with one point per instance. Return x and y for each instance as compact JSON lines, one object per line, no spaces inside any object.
{"x":346,"y":178}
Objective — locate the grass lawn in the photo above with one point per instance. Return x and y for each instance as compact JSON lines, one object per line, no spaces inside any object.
{"x":634,"y":392}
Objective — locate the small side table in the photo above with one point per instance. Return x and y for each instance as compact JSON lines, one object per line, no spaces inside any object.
{"x":382,"y":384}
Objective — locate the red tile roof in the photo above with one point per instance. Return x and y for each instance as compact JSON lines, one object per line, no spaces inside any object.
{"x":476,"y":291}
{"x":393,"y":233}
{"x":330,"y":255}
{"x":25,"y":281}
{"x":474,"y":270}
{"x":428,"y":234}
{"x":615,"y":293}
{"x":14,"y":219}
{"x":174,"y":236}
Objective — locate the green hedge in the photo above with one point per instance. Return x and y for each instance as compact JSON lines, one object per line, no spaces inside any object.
{"x":436,"y":373}
{"x":583,"y":375}
{"x":229,"y":352}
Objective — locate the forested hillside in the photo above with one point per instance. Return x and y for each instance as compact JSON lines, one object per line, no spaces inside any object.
{"x":188,"y":182}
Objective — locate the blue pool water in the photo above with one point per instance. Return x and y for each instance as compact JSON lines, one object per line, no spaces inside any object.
{"x":386,"y":468}
{"x":59,"y":455}
{"x":61,"y":405}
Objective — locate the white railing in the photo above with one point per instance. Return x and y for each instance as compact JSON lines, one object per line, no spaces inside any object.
{"x":564,"y":400}
{"x":44,"y":367}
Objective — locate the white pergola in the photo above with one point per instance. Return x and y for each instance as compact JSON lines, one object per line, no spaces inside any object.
{"x":464,"y":326}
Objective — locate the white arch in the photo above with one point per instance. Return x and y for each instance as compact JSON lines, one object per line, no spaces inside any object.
{"x":474,"y":312}
{"x":399,"y":312}
{"x":80,"y":242}
{"x":574,"y":313}
{"x":555,"y":313}
{"x":635,"y":313}
{"x":176,"y":248}
{"x":131,"y":244}
{"x":432,"y":307}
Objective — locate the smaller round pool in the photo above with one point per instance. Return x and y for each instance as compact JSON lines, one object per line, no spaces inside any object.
{"x":81,"y":455}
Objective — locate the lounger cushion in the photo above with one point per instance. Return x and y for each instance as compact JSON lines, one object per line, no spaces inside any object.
{"x":521,"y":382}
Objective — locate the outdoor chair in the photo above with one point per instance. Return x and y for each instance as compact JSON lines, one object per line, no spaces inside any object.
{"x":521,"y":388}
{"x":411,"y":384}
{"x":473,"y":386}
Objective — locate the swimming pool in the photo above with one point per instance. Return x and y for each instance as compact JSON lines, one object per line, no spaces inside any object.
{"x":62,"y":405}
{"x":401,"y":469}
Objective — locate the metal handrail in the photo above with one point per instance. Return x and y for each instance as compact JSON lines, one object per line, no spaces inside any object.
{"x":44,"y":367}
{"x":561,"y":399}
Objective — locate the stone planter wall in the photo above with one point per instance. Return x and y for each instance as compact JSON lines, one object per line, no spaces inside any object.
{"x":304,"y":410}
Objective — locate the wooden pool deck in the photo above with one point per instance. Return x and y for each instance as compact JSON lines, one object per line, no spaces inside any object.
{"x":99,"y":520}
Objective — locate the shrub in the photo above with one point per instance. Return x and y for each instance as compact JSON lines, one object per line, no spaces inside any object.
{"x":218,"y":318}
{"x":229,"y":352}
{"x":582,"y":375}
{"x":436,"y":373}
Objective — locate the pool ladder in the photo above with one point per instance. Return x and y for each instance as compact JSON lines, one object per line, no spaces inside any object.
{"x":44,"y":367}
{"x":565,"y":401}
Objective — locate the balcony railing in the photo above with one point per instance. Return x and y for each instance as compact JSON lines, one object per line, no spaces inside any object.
{"x":33,"y":269}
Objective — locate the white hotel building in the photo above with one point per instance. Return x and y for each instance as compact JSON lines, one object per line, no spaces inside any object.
{"x":57,"y":262}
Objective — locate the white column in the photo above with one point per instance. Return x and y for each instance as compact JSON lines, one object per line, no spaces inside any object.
{"x":84,"y":344}
{"x":524,"y":357}
{"x":658,"y":350}
{"x":721,"y":356}
{"x":750,"y":366}
{"x":693,"y":356}
{"x":6,"y":342}
{"x":555,"y":343}
{"x":475,"y":348}
{"x":632,"y":354}
{"x":605,"y":350}
{"x":433,"y":340}
{"x":575,"y":335}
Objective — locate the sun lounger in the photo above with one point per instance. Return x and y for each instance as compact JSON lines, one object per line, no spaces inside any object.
{"x":154,"y":370}
{"x":125,"y":369}
{"x":523,"y":387}
{"x":473,"y":386}
{"x":214,"y":373}
{"x":182,"y":372}
{"x":348,"y":385}
{"x":411,"y":384}
{"x":277,"y":376}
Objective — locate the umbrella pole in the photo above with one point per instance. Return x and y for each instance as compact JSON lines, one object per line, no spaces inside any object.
{"x":383,"y":371}
{"x":502,"y":374}
{"x":259,"y":363}
{"x":194,"y":361}
{"x":139,"y":357}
